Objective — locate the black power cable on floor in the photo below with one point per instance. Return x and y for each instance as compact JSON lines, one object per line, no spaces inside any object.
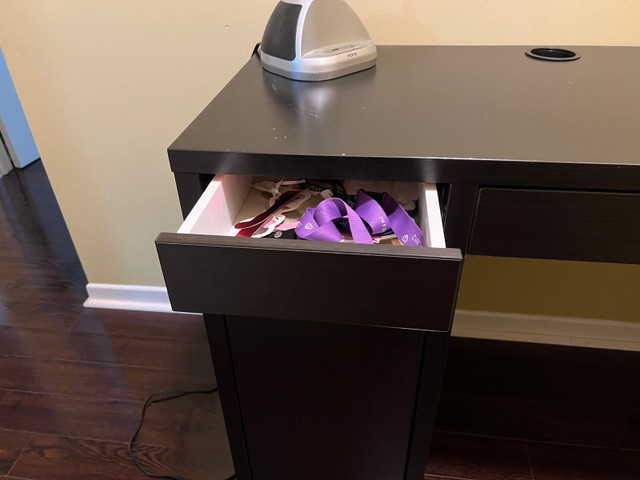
{"x":165,"y":395}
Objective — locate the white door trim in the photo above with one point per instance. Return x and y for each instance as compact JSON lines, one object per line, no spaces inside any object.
{"x":582,"y":332}
{"x":5,"y":161}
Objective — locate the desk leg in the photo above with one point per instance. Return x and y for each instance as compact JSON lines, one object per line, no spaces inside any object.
{"x":458,"y":219}
{"x":218,"y":336}
{"x":433,"y":365}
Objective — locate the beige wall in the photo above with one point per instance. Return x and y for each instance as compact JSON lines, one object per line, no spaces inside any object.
{"x":108,"y":84}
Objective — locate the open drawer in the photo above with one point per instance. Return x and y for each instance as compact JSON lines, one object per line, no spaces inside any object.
{"x":209,"y":270}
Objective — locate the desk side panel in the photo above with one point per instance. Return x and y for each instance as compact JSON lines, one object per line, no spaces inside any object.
{"x":326,"y":401}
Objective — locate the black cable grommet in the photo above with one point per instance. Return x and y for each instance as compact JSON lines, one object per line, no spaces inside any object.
{"x":552,"y":54}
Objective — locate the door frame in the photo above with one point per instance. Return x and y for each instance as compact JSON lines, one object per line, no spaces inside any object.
{"x":18,"y":141}
{"x":5,"y":160}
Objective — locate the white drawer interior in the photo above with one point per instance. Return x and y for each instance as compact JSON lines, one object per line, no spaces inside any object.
{"x":229,"y":199}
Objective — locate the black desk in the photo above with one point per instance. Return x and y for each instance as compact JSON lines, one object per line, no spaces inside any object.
{"x":534,"y":159}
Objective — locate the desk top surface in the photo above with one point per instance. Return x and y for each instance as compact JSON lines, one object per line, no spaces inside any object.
{"x":466,"y":114}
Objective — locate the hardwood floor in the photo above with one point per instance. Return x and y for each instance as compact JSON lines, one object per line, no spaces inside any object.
{"x":72,"y":383}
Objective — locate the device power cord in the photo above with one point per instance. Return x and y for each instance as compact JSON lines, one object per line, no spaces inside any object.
{"x":256,"y":50}
{"x":164,"y":395}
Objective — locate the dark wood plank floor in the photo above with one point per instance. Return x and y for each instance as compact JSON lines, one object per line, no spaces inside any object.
{"x":72,"y":382}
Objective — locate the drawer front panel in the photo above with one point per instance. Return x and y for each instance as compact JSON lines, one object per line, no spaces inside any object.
{"x":401,"y":287}
{"x":591,"y":226}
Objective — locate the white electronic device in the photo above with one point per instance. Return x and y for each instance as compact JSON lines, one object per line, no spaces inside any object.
{"x":316,"y":40}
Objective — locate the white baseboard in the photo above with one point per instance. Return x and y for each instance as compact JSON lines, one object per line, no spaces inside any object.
{"x":581,"y":332}
{"x":128,"y":297}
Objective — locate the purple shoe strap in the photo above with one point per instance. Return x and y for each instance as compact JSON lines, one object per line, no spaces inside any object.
{"x":390,"y":215}
{"x":317,"y":223}
{"x":402,"y":224}
{"x":372,"y":213}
